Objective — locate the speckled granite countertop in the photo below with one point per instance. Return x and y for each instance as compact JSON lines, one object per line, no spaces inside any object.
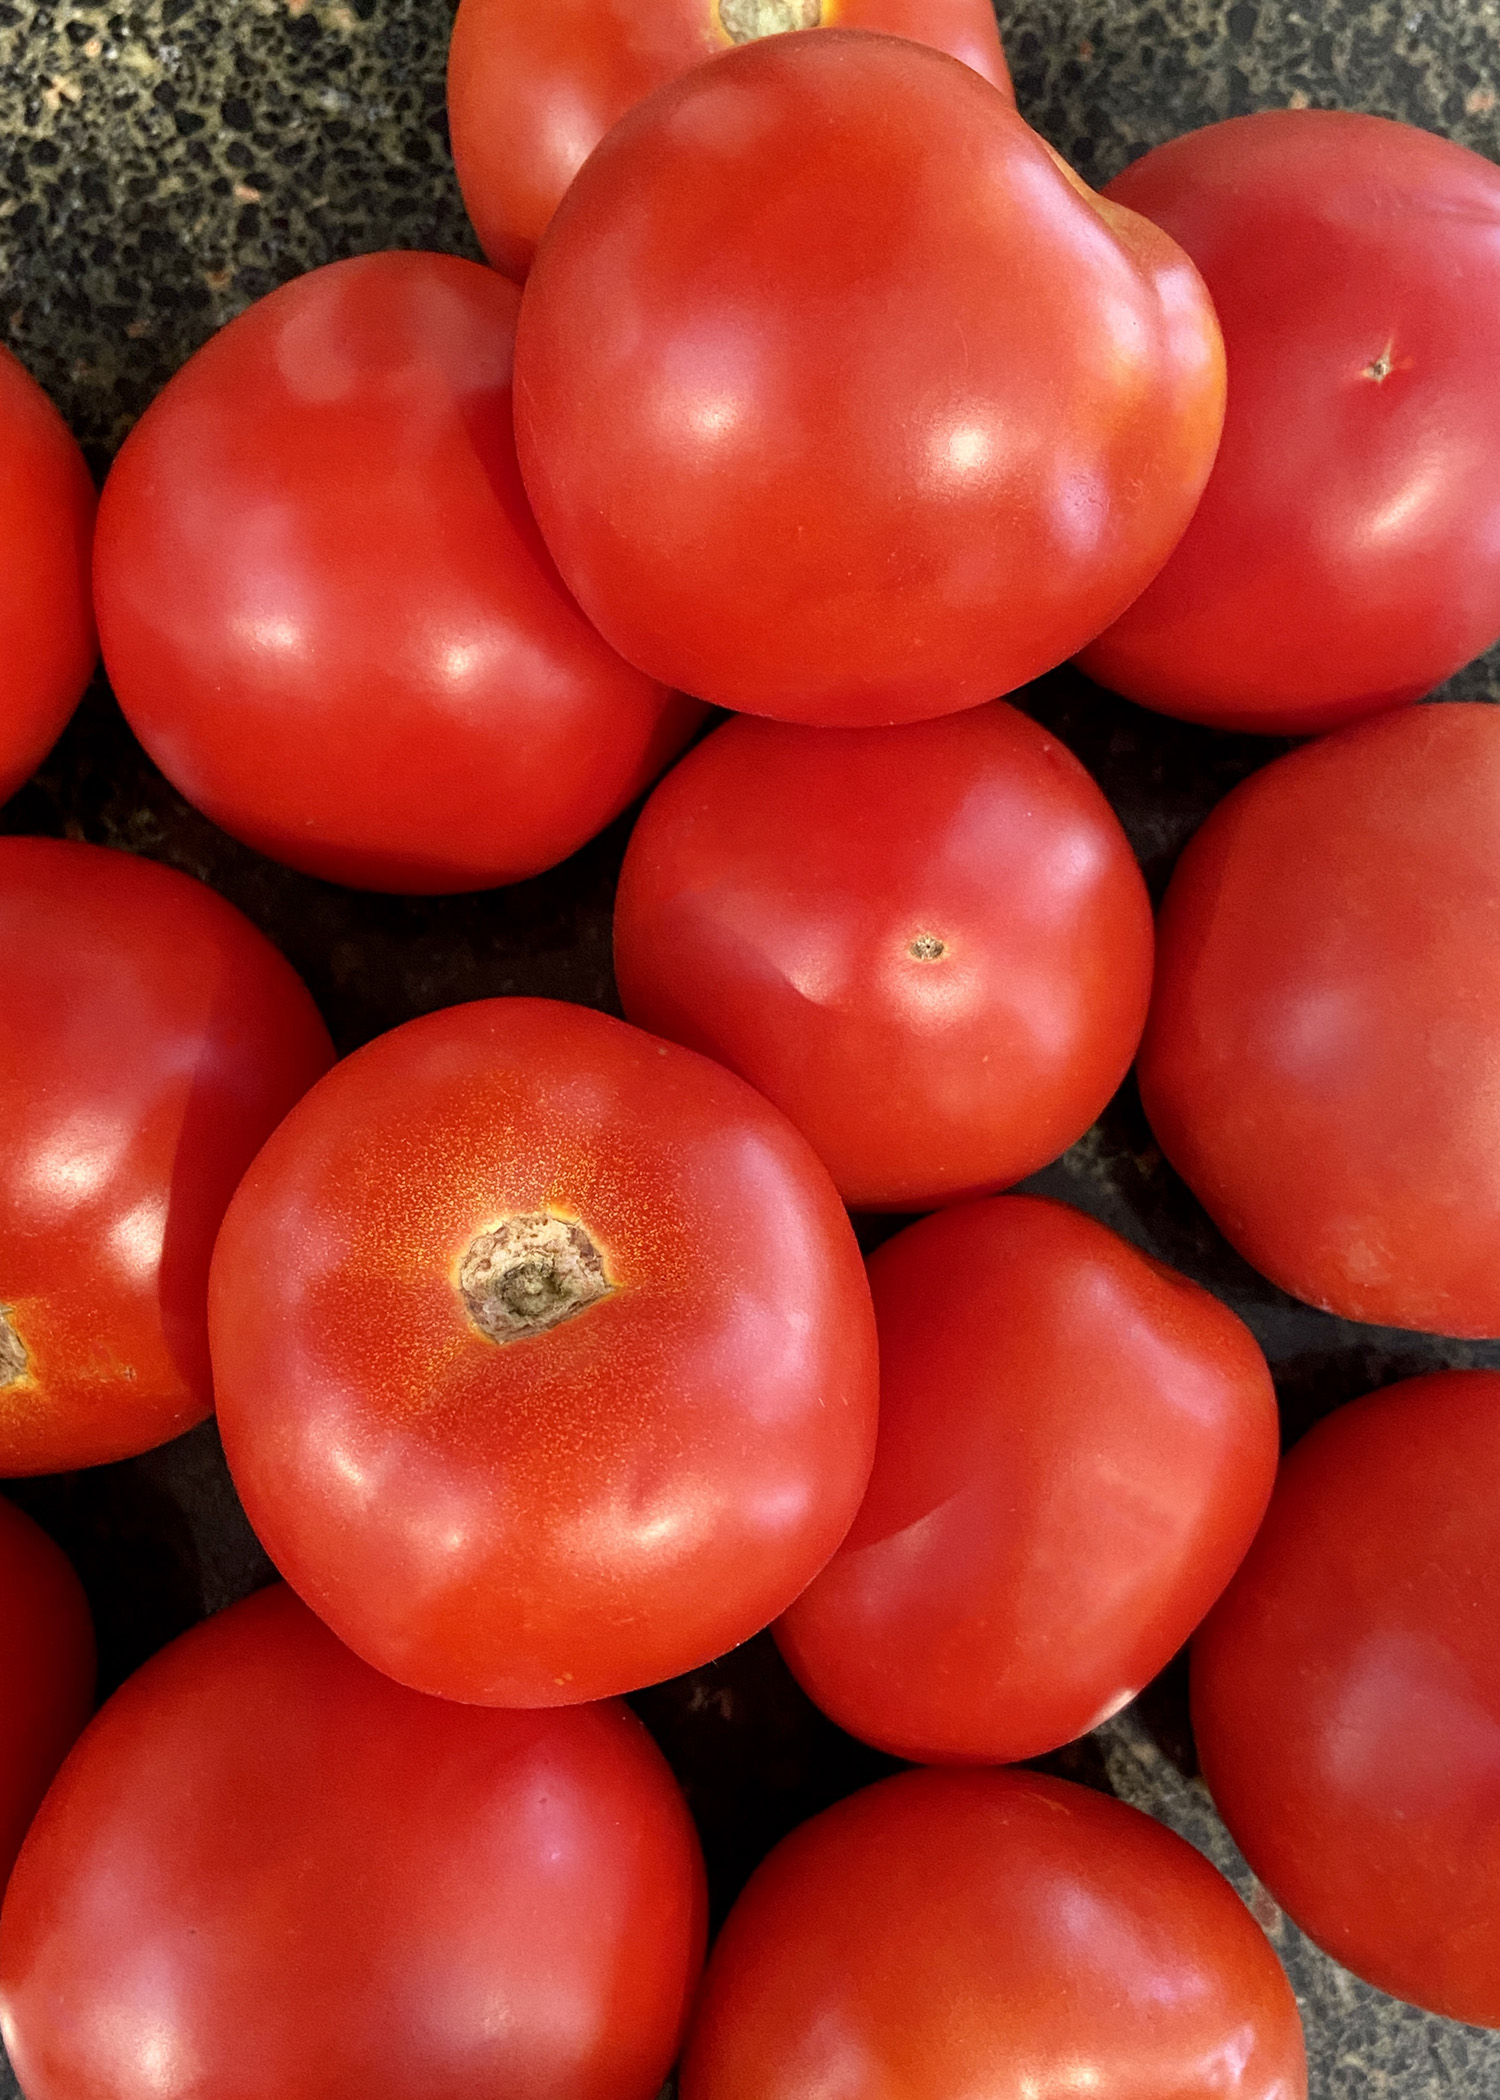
{"x":166,"y":164}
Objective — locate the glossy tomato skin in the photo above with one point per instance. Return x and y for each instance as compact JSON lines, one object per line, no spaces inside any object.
{"x":929,"y":946}
{"x":990,"y":1932}
{"x":1319,"y":1060}
{"x":795,"y":439}
{"x":286,"y":1878}
{"x":150,"y":1040}
{"x":532,"y":88}
{"x":325,"y":608}
{"x":1346,"y":555}
{"x":583,"y":1509}
{"x":47,"y":645}
{"x":1346,"y":1692}
{"x":1076,"y":1446}
{"x":46,"y":1669}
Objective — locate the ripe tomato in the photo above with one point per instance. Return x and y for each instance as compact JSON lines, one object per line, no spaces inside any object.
{"x":46,"y":1671}
{"x":47,"y":646}
{"x":150,"y":1040}
{"x":949,"y":1933}
{"x":1346,"y":1692}
{"x":544,"y":1355}
{"x":929,"y":946}
{"x":1346,"y":554}
{"x":533,"y":88}
{"x":795,"y":438}
{"x":325,"y":608}
{"x":1076,"y":1445}
{"x":268,"y":1873}
{"x":1320,"y":1060}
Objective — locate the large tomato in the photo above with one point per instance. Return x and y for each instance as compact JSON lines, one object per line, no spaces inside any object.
{"x":533,"y":85}
{"x":1346,"y":554}
{"x":47,"y":646}
{"x":929,"y":946}
{"x":544,"y":1355}
{"x":325,"y":608}
{"x":46,"y":1671}
{"x":995,"y":1934}
{"x":150,"y":1040}
{"x":840,"y":399}
{"x":1320,"y":1061}
{"x":268,"y":1873}
{"x":1346,"y":1692}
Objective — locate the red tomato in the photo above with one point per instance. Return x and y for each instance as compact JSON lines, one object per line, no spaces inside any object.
{"x":325,"y":608}
{"x":544,"y":1355}
{"x":1346,"y":1693}
{"x":792,"y":434}
{"x":46,"y":1671}
{"x":268,"y":1873}
{"x":929,"y":946}
{"x":532,"y":88}
{"x":47,"y":646}
{"x":1076,"y":1445}
{"x":992,"y":1933}
{"x":150,"y":1040}
{"x":1320,"y":1060}
{"x":1346,"y":554}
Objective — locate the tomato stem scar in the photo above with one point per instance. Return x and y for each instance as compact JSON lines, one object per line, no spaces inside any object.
{"x":927,"y":948}
{"x":530,"y":1273}
{"x":1381,"y":367}
{"x":13,"y":1358}
{"x":743,"y":21}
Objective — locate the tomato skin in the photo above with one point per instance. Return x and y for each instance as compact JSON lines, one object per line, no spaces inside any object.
{"x":150,"y":1040}
{"x":46,"y":1667}
{"x":287,"y":1878}
{"x":578,"y":1511}
{"x":325,"y":607}
{"x":1318,"y":1064}
{"x":990,"y":1932}
{"x":1346,"y":1692}
{"x":809,"y":459}
{"x":47,"y":643}
{"x":533,"y":88}
{"x":1346,"y":555}
{"x":766,"y":914}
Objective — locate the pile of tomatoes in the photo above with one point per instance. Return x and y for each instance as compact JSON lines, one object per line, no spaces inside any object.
{"x":808,"y":384}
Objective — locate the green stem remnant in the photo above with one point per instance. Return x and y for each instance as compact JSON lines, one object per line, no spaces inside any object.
{"x":743,"y":21}
{"x":530,"y":1273}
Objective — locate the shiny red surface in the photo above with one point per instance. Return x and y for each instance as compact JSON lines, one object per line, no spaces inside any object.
{"x":46,"y":1671}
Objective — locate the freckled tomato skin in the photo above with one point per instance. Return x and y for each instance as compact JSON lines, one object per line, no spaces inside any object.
{"x":579,"y":1511}
{"x":533,"y":85}
{"x":150,"y":1040}
{"x":1346,"y":1692}
{"x":1076,"y":1446}
{"x":1319,"y":1060}
{"x":796,"y":440}
{"x":268,"y":1873}
{"x":995,"y":1933}
{"x":1345,"y":557}
{"x":779,"y":904}
{"x":46,"y":1670}
{"x":326,"y":610}
{"x":47,"y":645}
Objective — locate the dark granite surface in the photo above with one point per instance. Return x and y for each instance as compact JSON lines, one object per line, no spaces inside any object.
{"x":167,"y":163}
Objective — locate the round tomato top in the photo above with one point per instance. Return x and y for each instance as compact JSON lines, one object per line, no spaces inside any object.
{"x":544,"y":1355}
{"x":46,"y":1669}
{"x":150,"y":1040}
{"x":823,"y":422}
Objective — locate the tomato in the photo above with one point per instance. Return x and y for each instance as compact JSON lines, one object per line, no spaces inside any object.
{"x":994,"y":1933}
{"x":268,"y":1873}
{"x":1346,"y":1692}
{"x":797,"y":442}
{"x":1346,"y":555}
{"x":544,"y":1355}
{"x":532,"y":88}
{"x":929,"y":946}
{"x":46,"y":1669}
{"x":150,"y":1039}
{"x":1319,"y":1064}
{"x":325,"y":608}
{"x":47,"y":645}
